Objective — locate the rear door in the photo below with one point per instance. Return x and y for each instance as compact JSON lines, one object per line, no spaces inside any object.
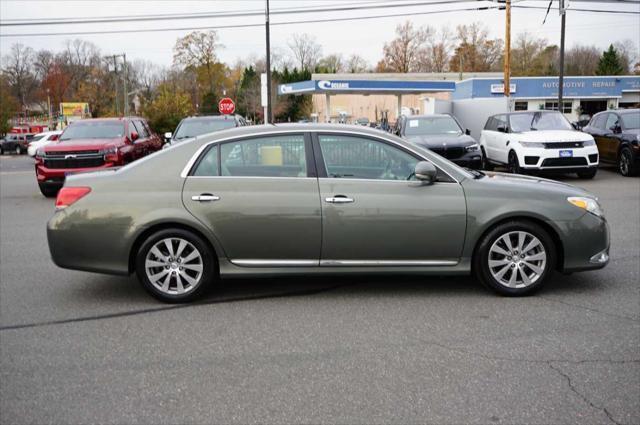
{"x":374,"y":212}
{"x":259,"y":195}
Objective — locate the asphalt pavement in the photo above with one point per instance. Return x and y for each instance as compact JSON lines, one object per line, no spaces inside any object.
{"x":86,"y":348}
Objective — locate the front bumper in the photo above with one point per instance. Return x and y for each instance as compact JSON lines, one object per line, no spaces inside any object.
{"x":550,"y":159}
{"x":56,"y":176}
{"x":585,"y":243}
{"x":469,"y":159}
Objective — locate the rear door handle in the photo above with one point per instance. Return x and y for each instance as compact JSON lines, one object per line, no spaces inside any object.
{"x":339,"y":199}
{"x":205,"y":197}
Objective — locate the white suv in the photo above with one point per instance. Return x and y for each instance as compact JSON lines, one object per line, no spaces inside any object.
{"x":538,"y":140}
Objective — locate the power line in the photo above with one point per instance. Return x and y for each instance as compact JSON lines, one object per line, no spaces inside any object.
{"x":626,"y":12}
{"x":232,"y":14}
{"x":218,"y":27}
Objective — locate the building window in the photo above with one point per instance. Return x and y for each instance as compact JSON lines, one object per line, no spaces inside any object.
{"x":521,"y":106}
{"x":553,"y":106}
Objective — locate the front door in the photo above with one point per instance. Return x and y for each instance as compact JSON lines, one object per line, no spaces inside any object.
{"x":260,"y":198}
{"x":374,"y":212}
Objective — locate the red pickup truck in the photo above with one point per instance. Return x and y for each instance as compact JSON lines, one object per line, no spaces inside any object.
{"x":93,"y":144}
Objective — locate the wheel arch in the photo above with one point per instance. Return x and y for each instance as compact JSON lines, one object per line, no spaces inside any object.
{"x":553,"y":234}
{"x":133,"y":252}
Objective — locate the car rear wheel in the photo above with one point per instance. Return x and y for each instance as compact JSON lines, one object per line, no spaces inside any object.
{"x":515,"y":258}
{"x":588,"y":174}
{"x":486,"y":164}
{"x":18,"y":150}
{"x":625,"y":163}
{"x":175,"y":265}
{"x":48,"y":191}
{"x":514,"y":164}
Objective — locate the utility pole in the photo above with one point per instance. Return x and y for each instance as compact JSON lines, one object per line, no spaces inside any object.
{"x":563,"y":12}
{"x":507,"y":50}
{"x":49,"y":110}
{"x":269,"y":117}
{"x":124,"y":85}
{"x":115,"y":82}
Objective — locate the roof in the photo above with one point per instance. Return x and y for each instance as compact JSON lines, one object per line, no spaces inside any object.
{"x":371,"y":86}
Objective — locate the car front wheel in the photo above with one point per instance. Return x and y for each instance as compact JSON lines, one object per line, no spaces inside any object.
{"x":48,"y":191}
{"x":514,"y":164}
{"x":175,"y":265}
{"x":515,"y":258}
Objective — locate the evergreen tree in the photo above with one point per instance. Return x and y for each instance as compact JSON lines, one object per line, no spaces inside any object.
{"x":610,"y":63}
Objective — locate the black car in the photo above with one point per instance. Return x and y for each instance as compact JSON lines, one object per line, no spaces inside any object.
{"x":15,"y":143}
{"x":442,"y":134}
{"x":198,"y":125}
{"x":617,"y":134}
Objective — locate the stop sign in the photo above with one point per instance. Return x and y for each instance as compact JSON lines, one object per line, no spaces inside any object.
{"x":226,"y":106}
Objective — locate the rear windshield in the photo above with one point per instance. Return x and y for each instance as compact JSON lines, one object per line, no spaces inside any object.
{"x":432,"y":125}
{"x":198,"y":127}
{"x":93,"y":130}
{"x":539,"y":121}
{"x":631,"y":120}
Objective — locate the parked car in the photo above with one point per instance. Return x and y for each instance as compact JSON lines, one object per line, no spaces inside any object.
{"x":15,"y":142}
{"x":93,"y":144}
{"x":538,"y":141}
{"x":442,"y":134}
{"x":309,"y":199}
{"x":617,"y":134}
{"x":41,"y":140}
{"x":197,"y":126}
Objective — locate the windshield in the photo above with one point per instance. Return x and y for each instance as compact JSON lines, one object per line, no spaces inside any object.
{"x":539,"y":121}
{"x":631,"y":120}
{"x":93,"y":130}
{"x":431,"y":125}
{"x":198,"y":127}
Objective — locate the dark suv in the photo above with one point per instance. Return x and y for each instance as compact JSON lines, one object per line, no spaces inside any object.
{"x":93,"y":144}
{"x":617,"y":134}
{"x":442,"y":134}
{"x":15,"y":142}
{"x":197,"y":126}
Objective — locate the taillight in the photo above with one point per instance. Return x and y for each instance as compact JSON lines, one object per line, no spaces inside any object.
{"x":70,"y":195}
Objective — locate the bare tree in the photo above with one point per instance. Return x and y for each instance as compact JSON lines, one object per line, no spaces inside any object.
{"x":581,"y":60}
{"x":524,"y":53}
{"x":476,"y":51}
{"x":628,"y":51}
{"x":18,"y":70}
{"x":356,"y":63}
{"x":332,"y":63}
{"x":403,"y":52}
{"x":305,"y":50}
{"x":440,"y":47}
{"x":198,"y":50}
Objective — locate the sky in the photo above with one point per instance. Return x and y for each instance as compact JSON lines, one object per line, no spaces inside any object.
{"x":365,"y":37}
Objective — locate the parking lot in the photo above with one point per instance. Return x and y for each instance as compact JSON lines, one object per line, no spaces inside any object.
{"x":78,"y":347}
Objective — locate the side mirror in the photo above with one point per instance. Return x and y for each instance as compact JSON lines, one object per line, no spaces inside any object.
{"x":502,"y":129}
{"x":426,"y":172}
{"x":134,"y":136}
{"x":168,"y":135}
{"x":467,"y":132}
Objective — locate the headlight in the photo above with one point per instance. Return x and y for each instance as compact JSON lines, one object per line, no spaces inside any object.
{"x":589,"y":204}
{"x":589,"y":143}
{"x":40,"y":152}
{"x":532,"y":144}
{"x":111,"y":154}
{"x":472,"y":148}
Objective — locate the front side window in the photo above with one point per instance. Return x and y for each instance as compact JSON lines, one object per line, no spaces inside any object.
{"x":431,"y":125}
{"x":270,"y":156}
{"x":362,"y":158}
{"x":93,"y":130}
{"x":500,"y":121}
{"x":612,"y":122}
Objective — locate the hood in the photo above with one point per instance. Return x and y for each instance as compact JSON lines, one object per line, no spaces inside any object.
{"x":82,"y":144}
{"x":534,"y":182}
{"x":437,"y":140}
{"x":552,"y":136}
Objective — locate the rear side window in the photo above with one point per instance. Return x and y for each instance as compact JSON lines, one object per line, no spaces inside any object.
{"x":208,"y":164}
{"x":270,"y":156}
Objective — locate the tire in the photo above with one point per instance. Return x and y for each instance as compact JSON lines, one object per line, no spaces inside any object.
{"x":18,"y":150}
{"x":588,"y":174}
{"x":626,"y":165}
{"x":48,"y":191}
{"x":486,"y":164}
{"x":165,"y":278}
{"x":514,"y":165}
{"x":529,"y":275}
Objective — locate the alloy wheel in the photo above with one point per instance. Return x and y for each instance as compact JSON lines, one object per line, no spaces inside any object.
{"x":174,"y":266}
{"x":517,"y":259}
{"x":625,"y":163}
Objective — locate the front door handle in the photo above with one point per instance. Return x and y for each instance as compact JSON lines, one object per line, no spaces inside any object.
{"x":339,"y":199}
{"x":205,"y":197}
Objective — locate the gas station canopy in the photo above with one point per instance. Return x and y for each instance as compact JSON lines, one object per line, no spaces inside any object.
{"x":393,"y":87}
